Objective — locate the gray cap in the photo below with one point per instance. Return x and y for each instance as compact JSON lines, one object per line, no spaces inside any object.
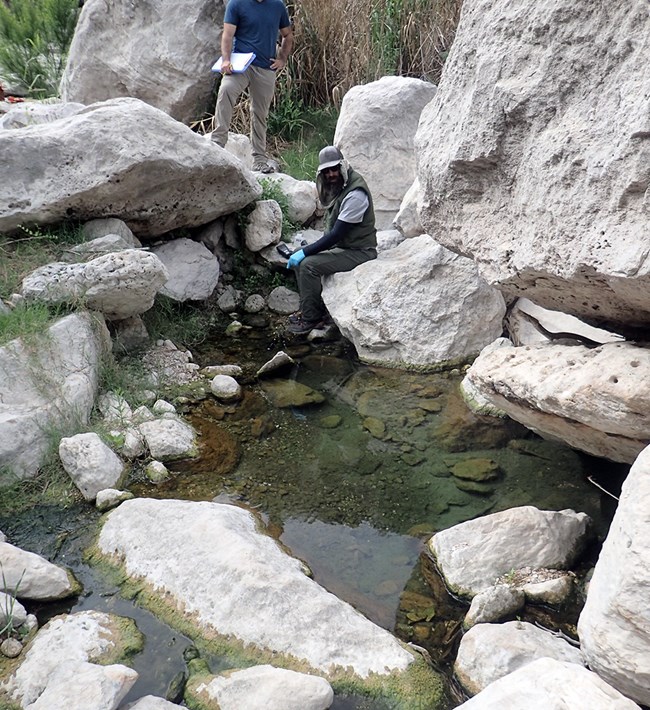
{"x":329,"y":156}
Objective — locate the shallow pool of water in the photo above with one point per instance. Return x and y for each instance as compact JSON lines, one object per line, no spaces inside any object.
{"x":353,"y":486}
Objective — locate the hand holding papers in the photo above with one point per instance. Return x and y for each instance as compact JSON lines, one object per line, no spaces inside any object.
{"x":239,"y":62}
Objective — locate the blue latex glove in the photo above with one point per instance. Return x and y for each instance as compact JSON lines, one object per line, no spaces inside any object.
{"x":295,"y":259}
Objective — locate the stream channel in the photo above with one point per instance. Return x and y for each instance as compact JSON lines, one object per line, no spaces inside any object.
{"x":354,"y":486}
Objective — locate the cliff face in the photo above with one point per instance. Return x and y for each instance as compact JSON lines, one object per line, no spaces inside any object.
{"x":534,"y":155}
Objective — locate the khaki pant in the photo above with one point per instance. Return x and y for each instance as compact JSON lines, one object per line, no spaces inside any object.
{"x":311,"y":268}
{"x":261,"y":84}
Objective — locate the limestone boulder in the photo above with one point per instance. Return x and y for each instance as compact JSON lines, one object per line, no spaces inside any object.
{"x":27,"y":575}
{"x":533,"y":155}
{"x":49,"y":384}
{"x":493,"y":604}
{"x":118,"y":284}
{"x":488,"y":652}
{"x":302,"y":198}
{"x":151,"y":702}
{"x":87,"y":637}
{"x":90,"y":463}
{"x":614,"y":627}
{"x":472,"y":555}
{"x":264,"y":225}
{"x":97,"y":228}
{"x":407,"y":220}
{"x":169,"y":439}
{"x":159,"y":53}
{"x":267,"y":687}
{"x":222,"y":567}
{"x":376,"y":130}
{"x":193,"y":270}
{"x":391,"y":307}
{"x":549,"y":684}
{"x":594,"y":399}
{"x":77,"y":685}
{"x":145,"y":168}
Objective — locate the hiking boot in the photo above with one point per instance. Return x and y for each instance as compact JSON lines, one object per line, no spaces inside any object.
{"x":295,"y":317}
{"x":299,"y":325}
{"x":263,"y":166}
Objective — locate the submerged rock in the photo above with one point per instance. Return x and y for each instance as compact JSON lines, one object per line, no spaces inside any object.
{"x":289,"y":393}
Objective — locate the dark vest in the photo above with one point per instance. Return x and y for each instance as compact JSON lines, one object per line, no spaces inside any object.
{"x":362,"y":235}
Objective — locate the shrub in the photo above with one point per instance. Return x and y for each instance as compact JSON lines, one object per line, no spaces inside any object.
{"x":34,"y":39}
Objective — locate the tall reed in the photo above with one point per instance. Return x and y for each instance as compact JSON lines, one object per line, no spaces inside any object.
{"x":341,"y":43}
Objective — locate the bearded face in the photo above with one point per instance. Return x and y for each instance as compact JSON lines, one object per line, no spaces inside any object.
{"x":332,"y":184}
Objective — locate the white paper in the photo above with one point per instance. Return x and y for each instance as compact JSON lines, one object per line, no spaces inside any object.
{"x":239,"y":61}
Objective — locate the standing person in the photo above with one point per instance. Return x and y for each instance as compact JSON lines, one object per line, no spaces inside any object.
{"x":350,"y":236}
{"x":252,"y":26}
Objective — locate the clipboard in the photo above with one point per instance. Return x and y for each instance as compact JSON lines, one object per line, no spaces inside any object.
{"x":239,"y":62}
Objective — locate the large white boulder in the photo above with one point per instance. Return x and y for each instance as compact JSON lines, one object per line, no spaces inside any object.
{"x":48,"y":384}
{"x":375,"y":131}
{"x":533,"y":155}
{"x":614,"y":626}
{"x":210,"y":560}
{"x":549,"y":684}
{"x":158,"y":52}
{"x":594,"y":399}
{"x":119,"y":284}
{"x":145,"y":168}
{"x":473,"y":554}
{"x":416,"y":305}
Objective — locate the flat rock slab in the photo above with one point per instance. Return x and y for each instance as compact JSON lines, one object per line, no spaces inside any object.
{"x":211,"y":561}
{"x":595,"y":399}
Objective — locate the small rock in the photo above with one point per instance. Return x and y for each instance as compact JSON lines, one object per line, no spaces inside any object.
{"x":156,"y":472}
{"x":278,"y":362}
{"x":11,"y":648}
{"x":476,"y":470}
{"x":331,"y":421}
{"x":111,"y":498}
{"x":254,"y":303}
{"x":375,"y":426}
{"x":226,"y":388}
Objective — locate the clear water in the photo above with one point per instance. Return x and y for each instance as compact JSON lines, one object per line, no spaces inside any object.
{"x":355,"y":501}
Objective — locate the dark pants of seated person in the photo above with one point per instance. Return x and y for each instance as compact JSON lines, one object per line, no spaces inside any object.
{"x":311,"y":268}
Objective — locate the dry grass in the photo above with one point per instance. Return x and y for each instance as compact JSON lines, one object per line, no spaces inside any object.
{"x":342,"y":43}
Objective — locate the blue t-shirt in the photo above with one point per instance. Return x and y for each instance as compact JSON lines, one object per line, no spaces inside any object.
{"x":258,"y":24}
